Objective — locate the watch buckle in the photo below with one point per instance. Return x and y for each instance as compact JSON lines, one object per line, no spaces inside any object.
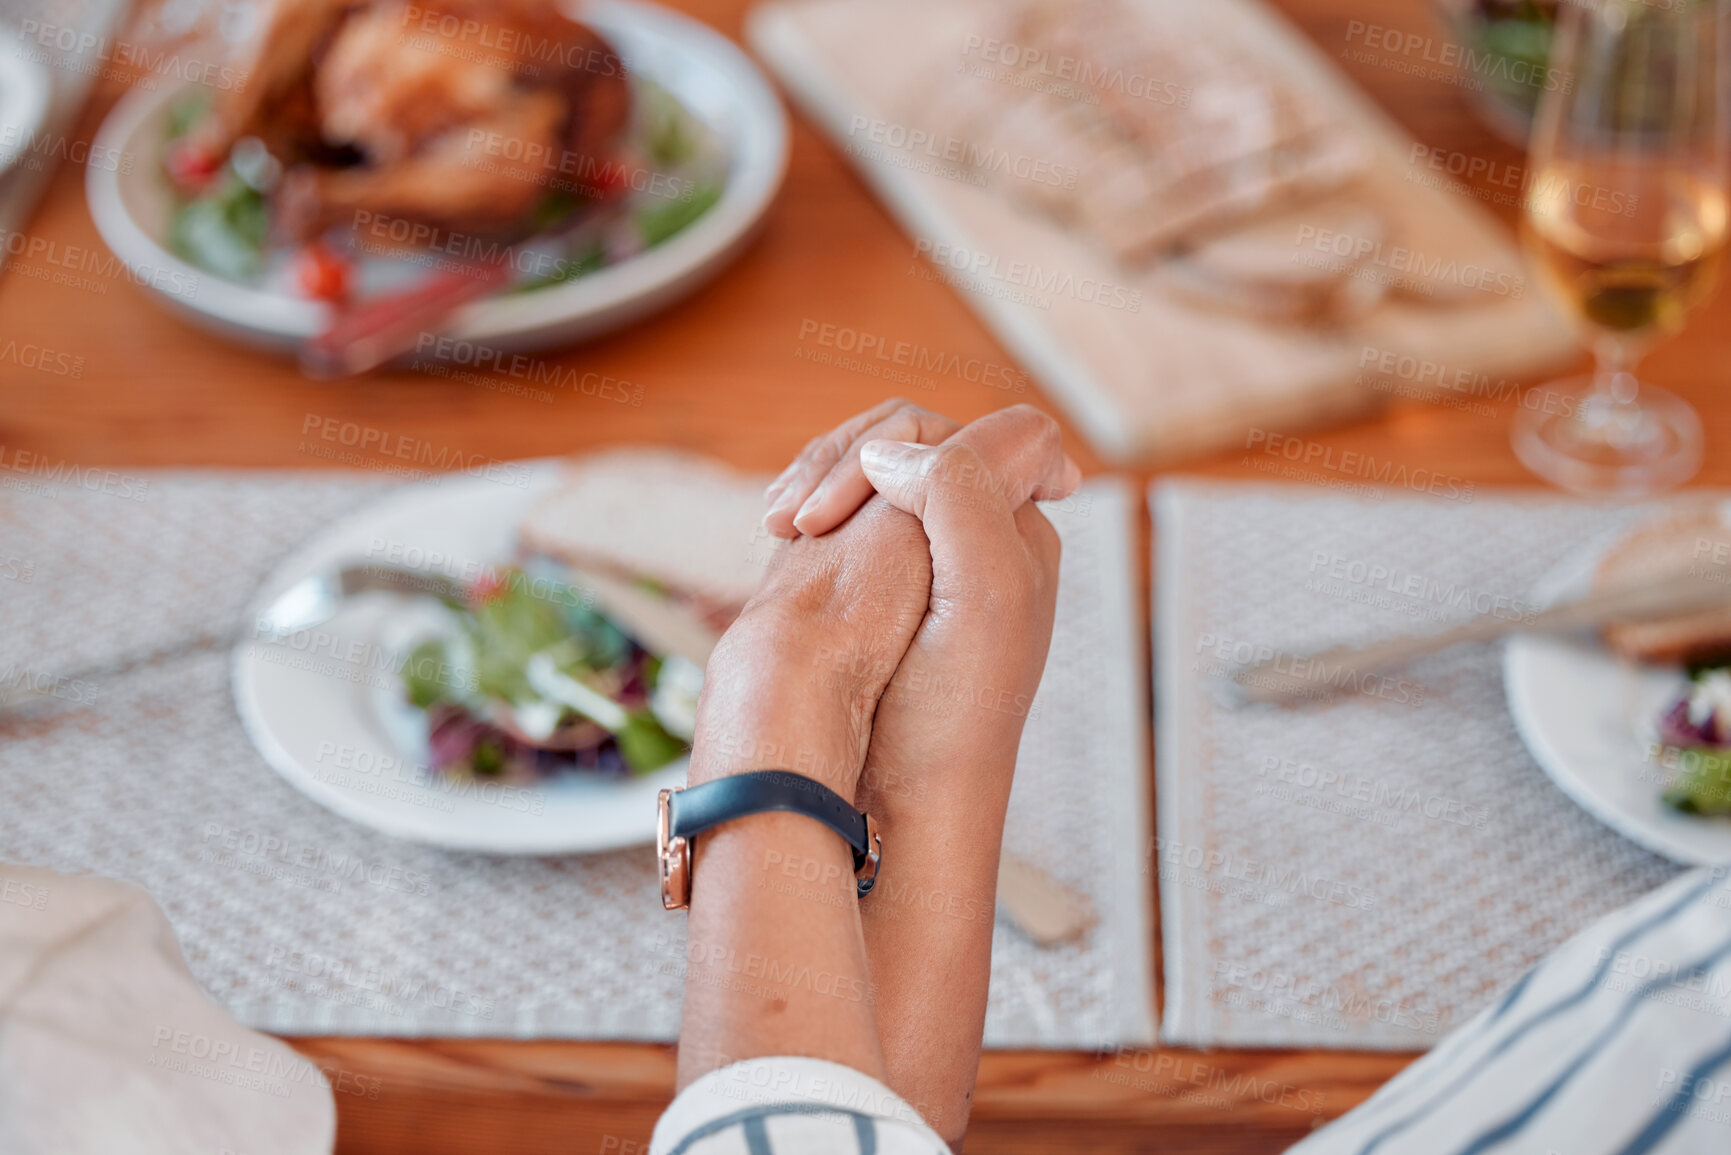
{"x":874,"y":857}
{"x":674,"y":855}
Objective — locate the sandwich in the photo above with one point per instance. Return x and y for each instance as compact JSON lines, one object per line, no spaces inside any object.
{"x":587,"y":653}
{"x":1695,"y":542}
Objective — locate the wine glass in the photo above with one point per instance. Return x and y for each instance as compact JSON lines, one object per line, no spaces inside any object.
{"x":1626,"y":213}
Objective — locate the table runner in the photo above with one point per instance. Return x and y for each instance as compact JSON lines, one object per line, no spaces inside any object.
{"x":1372,"y":873}
{"x":301,"y":922}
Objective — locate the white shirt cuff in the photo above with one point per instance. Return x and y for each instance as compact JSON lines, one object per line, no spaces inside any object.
{"x":789,"y":1105}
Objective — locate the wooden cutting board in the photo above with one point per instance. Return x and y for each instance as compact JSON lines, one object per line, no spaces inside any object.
{"x":1147,"y":374}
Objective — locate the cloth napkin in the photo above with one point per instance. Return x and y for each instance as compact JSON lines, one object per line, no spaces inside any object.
{"x":1619,"y":1043}
{"x":107,"y":1044}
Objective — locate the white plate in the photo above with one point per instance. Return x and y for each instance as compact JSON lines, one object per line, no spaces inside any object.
{"x":24,"y":91}
{"x":702,"y":68}
{"x":321,"y":706}
{"x":1590,"y":719}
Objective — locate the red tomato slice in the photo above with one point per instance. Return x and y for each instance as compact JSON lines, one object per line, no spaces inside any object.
{"x":322,"y":273}
{"x":191,"y":166}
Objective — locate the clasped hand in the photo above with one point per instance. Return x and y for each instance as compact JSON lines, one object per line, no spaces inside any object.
{"x":919,"y":571}
{"x":892,"y":653}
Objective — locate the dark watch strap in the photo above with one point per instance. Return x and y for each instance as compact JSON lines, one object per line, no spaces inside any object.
{"x":697,"y":808}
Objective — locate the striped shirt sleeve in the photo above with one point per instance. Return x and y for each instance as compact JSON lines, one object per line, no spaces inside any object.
{"x":788,"y":1105}
{"x":1618,"y":1043}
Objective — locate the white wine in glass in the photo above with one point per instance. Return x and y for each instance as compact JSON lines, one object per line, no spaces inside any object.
{"x":1626,"y":213}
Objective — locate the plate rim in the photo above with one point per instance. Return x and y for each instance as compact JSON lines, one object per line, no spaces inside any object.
{"x":243,"y":690}
{"x":1521,"y":649}
{"x":35,"y":87}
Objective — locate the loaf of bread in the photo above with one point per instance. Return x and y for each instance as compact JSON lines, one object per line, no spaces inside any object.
{"x":662,"y":524}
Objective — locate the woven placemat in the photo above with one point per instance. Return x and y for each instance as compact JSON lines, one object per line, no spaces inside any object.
{"x":302,"y":922}
{"x":1371,"y":873}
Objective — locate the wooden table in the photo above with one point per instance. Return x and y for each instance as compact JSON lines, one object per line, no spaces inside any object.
{"x":720,"y":374}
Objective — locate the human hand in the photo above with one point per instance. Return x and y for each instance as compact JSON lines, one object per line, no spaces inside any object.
{"x":793,"y":683}
{"x":945,"y":735}
{"x":825,"y":482}
{"x":970,"y":674}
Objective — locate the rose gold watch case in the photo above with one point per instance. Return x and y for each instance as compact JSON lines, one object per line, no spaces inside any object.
{"x":873,"y":859}
{"x":675,"y":856}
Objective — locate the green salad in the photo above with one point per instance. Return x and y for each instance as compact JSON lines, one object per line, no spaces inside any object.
{"x":532,"y":679}
{"x":1695,"y":732}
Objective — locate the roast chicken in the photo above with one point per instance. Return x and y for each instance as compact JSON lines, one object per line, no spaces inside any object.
{"x":449,"y":114}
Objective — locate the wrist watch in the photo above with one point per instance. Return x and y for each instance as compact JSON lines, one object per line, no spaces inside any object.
{"x":687,"y":812}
